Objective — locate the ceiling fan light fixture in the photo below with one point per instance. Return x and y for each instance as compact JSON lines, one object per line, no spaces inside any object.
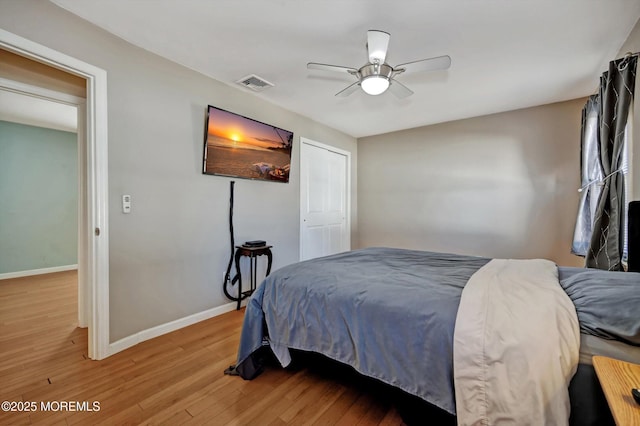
{"x":374,"y":84}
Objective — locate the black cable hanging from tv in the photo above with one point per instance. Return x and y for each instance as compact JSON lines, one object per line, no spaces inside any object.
{"x":227,"y":275}
{"x":231,"y":370}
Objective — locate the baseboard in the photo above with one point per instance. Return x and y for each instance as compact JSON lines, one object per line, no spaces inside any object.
{"x":161,"y":329}
{"x":31,"y":272}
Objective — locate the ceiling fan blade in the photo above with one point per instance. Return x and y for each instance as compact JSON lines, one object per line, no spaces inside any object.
{"x":399,"y":90}
{"x":431,"y":64}
{"x":326,"y":67}
{"x":348,"y":90}
{"x":377,"y":44}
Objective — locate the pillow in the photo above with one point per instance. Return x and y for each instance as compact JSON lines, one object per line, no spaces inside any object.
{"x":607,"y":303}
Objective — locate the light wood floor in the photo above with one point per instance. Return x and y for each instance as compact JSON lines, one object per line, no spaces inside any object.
{"x":174,"y":379}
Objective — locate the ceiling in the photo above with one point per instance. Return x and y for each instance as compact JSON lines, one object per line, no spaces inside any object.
{"x":505,"y":54}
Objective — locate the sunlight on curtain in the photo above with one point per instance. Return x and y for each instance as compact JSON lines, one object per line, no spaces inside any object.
{"x":591,"y":179}
{"x":624,"y":167}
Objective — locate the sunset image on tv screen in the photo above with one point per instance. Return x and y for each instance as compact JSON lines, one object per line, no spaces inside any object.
{"x":241,"y":147}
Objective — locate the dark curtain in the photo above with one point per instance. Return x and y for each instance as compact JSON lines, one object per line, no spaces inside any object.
{"x":616,"y":95}
{"x":590,"y":176}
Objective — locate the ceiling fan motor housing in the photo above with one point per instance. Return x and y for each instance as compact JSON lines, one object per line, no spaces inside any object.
{"x":377,"y":70}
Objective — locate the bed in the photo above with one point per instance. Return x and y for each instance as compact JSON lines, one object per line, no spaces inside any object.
{"x":391,"y":315}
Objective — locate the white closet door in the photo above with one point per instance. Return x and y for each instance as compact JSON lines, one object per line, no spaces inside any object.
{"x":324,"y":200}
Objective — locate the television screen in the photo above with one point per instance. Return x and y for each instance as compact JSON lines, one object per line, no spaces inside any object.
{"x":242,"y":147}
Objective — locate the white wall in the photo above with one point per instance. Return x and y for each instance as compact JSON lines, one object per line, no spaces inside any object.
{"x":167,"y":257}
{"x":503,"y":185}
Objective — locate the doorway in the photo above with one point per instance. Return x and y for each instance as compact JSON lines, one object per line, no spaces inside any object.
{"x":324,"y":200}
{"x":43,"y":190}
{"x":93,"y":260}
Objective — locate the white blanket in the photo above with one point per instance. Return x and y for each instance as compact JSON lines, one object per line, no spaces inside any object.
{"x":516,"y":346}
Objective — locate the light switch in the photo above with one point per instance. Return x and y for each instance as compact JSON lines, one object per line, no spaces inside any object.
{"x":126,"y":204}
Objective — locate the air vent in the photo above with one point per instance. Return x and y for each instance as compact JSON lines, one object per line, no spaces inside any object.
{"x":255,"y":83}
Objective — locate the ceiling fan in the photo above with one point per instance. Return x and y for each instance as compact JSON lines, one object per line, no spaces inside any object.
{"x":377,"y":76}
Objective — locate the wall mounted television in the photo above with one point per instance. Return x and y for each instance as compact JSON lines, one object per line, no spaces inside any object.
{"x":238,"y":146}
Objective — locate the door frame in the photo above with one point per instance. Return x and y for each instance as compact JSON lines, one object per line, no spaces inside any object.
{"x":80,"y":104}
{"x":308,"y":142}
{"x":95,"y":259}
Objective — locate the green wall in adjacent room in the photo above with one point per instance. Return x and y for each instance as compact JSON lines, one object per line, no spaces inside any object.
{"x":38,"y":198}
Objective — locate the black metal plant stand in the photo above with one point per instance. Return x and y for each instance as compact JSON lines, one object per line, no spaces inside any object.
{"x":252,"y":253}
